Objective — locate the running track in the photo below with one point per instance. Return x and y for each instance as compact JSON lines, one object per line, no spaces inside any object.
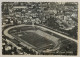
{"x":64,"y":36}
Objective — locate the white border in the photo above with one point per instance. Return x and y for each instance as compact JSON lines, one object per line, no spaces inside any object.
{"x":39,"y":1}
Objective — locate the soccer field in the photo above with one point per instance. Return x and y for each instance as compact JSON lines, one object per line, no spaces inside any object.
{"x":36,"y":38}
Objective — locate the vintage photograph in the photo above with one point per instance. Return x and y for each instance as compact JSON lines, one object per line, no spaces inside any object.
{"x":39,"y":28}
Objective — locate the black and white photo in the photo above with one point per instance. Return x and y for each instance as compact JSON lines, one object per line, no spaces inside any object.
{"x":39,"y":28}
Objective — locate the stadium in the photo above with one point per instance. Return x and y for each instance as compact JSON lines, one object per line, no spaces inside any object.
{"x":34,"y":37}
{"x":39,"y":28}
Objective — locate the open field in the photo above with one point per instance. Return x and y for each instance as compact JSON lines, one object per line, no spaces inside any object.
{"x":36,"y":38}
